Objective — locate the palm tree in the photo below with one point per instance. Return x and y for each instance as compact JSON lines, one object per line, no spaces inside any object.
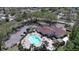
{"x":32,"y":47}
{"x":36,"y":48}
{"x":46,"y":43}
{"x":20,"y":47}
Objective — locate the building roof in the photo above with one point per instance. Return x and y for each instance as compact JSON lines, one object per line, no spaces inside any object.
{"x":51,"y":30}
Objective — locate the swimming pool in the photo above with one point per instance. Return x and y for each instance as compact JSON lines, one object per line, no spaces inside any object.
{"x":34,"y":39}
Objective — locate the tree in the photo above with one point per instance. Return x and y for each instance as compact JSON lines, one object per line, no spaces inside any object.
{"x":12,"y":11}
{"x":69,"y":46}
{"x":42,"y":48}
{"x":46,"y":43}
{"x":73,"y":44}
{"x":7,"y":20}
{"x":1,"y":37}
{"x":0,"y":43}
{"x":24,"y":15}
{"x":4,"y":12}
{"x":32,"y":47}
{"x":18,"y":19}
{"x":20,"y":47}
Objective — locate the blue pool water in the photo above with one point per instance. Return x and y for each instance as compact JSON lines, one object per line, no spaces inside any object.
{"x":34,"y":39}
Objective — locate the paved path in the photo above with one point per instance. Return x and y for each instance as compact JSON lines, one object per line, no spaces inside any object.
{"x":66,"y":23}
{"x":16,"y":37}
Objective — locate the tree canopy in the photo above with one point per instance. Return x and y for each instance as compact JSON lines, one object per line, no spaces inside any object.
{"x":73,"y":43}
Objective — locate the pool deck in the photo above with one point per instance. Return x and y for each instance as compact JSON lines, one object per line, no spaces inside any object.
{"x":26,"y":43}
